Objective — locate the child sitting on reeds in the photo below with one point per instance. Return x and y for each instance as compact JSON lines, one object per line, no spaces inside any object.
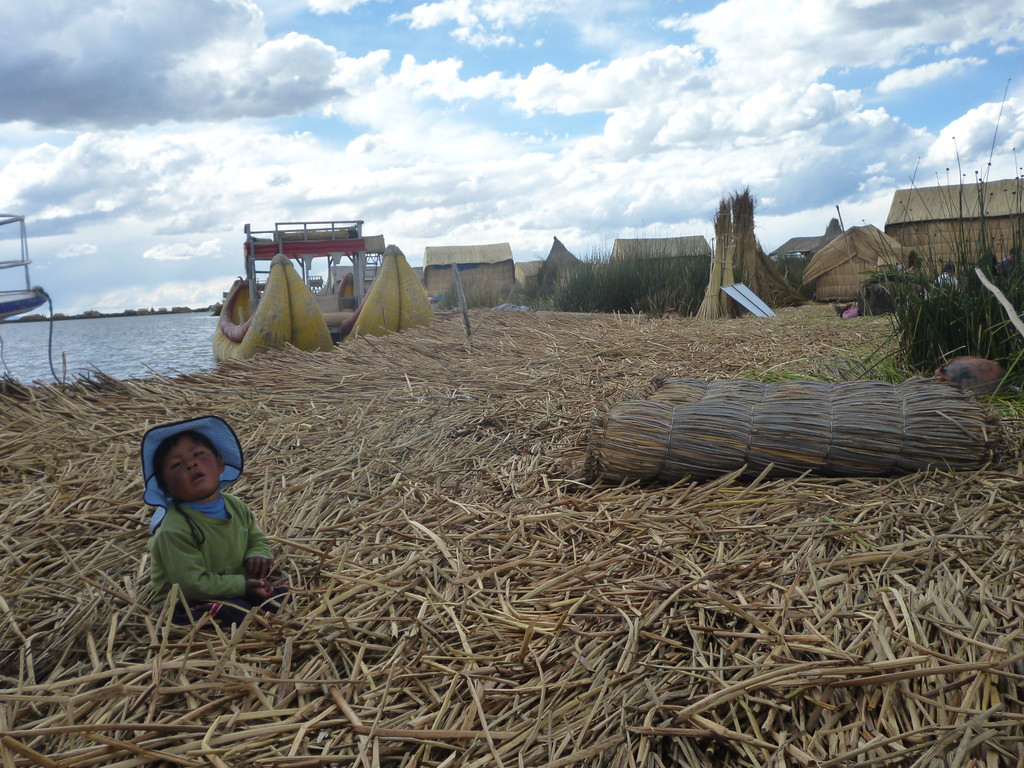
{"x":204,"y":541}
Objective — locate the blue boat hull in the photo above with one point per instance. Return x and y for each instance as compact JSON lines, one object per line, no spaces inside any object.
{"x":19,"y":302}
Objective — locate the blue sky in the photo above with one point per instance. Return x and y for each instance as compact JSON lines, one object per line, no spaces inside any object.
{"x":138,"y":137}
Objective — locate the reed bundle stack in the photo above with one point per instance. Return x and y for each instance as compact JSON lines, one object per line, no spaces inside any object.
{"x":753,"y":266}
{"x":464,"y":597}
{"x":688,"y":428}
{"x":716,"y":304}
{"x":739,"y":257}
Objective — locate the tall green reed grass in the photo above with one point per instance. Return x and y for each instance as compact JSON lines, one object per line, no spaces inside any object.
{"x":635,"y":285}
{"x":937,"y":322}
{"x":791,"y":266}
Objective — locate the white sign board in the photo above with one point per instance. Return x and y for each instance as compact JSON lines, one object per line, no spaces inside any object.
{"x":748,"y":300}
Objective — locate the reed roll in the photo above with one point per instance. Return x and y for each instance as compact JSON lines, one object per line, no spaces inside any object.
{"x":679,"y":428}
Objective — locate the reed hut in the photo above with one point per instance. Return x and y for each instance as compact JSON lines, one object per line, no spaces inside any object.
{"x":798,"y":246}
{"x":838,"y":270}
{"x":526,"y":273}
{"x":808,"y":246}
{"x":660,"y":247}
{"x":559,"y":261}
{"x":483,"y":268}
{"x":958,"y":222}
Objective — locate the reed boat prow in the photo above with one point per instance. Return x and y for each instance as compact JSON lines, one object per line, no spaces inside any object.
{"x":286,"y":314}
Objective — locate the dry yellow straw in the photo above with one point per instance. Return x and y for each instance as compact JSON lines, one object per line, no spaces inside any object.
{"x":465,"y":597}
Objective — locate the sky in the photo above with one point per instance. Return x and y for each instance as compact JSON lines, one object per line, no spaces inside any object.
{"x":139,"y":137}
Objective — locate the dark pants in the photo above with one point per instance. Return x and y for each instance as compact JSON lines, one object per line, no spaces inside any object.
{"x":225,"y":612}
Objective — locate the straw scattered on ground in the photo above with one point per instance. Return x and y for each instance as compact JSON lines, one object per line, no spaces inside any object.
{"x":464,"y":597}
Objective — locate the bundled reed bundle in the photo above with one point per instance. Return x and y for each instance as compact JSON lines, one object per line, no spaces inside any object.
{"x":716,"y":304}
{"x":683,"y":428}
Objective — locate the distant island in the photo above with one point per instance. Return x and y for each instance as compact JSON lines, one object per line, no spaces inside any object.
{"x":213,"y":309}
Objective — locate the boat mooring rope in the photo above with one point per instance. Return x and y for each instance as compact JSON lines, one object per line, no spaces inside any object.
{"x":49,"y":346}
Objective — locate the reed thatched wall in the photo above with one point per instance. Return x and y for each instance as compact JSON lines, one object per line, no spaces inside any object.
{"x":497,"y":277}
{"x":464,"y":597}
{"x":527,"y":271}
{"x":446,"y":255}
{"x":487,"y":268}
{"x":950,"y":223}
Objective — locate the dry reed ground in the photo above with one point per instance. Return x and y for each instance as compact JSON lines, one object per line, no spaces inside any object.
{"x":465,"y":598}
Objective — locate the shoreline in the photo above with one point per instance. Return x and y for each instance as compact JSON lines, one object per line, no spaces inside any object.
{"x":91,"y":314}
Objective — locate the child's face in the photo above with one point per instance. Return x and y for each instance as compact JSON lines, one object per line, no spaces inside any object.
{"x":191,"y":472}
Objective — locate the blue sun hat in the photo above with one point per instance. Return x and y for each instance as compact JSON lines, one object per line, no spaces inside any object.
{"x":214,"y":429}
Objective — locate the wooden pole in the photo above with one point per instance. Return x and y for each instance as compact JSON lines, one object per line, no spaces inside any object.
{"x":462,"y":299}
{"x":1011,"y":313}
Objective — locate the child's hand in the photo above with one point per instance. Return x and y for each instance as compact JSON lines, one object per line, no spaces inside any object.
{"x":259,"y":567}
{"x":258,"y":590}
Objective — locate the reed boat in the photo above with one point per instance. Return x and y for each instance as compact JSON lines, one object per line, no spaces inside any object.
{"x":396,"y":301}
{"x":18,"y":301}
{"x":380,"y":293}
{"x":285,"y":314}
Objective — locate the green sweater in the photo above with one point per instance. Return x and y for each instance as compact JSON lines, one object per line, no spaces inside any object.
{"x":214,"y":569}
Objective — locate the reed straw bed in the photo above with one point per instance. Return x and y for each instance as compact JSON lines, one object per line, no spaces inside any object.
{"x":686,"y":428}
{"x":465,"y":597}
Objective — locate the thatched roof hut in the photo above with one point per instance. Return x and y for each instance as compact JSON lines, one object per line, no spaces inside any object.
{"x":804,"y":246}
{"x":481,"y":267}
{"x":958,"y":222}
{"x":838,"y":269}
{"x":808,"y":246}
{"x":527,"y":271}
{"x":559,"y":261}
{"x":660,"y":247}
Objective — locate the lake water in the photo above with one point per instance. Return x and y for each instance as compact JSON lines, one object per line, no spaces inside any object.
{"x":122,"y":347}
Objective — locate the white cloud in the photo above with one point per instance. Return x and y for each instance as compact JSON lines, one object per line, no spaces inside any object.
{"x":926,"y":73}
{"x":183,"y":251}
{"x":334,"y":6}
{"x":488,"y":23}
{"x":427,"y":15}
{"x":76,"y":251}
{"x":441,"y":79}
{"x":470,"y":27}
{"x":666,"y":73}
{"x":113,"y":63}
{"x":966,"y":144}
{"x":796,"y":39}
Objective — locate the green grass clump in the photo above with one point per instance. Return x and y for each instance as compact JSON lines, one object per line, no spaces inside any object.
{"x":935,"y":323}
{"x":636,"y":285}
{"x":791,"y":266}
{"x":880,"y":365}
